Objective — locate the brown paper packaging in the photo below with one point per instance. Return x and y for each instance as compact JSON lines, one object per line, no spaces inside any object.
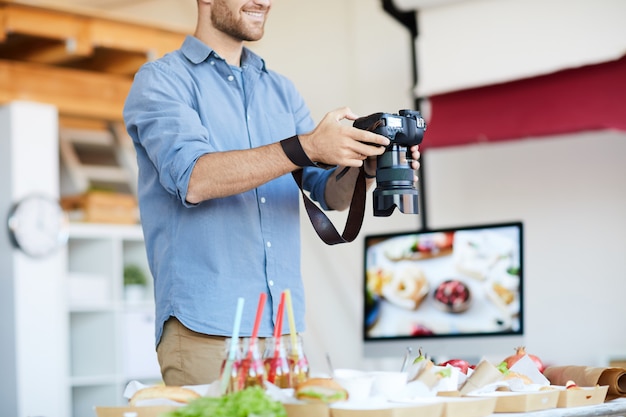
{"x":588,"y":376}
{"x":484,"y":374}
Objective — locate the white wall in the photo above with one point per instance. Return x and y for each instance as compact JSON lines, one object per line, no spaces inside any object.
{"x":479,"y":42}
{"x":340,"y":53}
{"x":569,"y":191}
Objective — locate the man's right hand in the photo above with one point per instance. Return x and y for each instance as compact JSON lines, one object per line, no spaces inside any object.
{"x":334,"y":143}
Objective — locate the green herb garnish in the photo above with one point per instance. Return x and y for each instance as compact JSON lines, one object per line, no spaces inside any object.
{"x":503,"y":368}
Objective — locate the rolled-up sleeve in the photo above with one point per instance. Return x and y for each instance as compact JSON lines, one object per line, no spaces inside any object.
{"x":161,"y":118}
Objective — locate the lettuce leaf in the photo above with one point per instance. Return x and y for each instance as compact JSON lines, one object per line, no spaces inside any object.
{"x":252,"y":401}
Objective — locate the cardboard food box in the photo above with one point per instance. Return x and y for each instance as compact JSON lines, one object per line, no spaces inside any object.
{"x":453,"y":394}
{"x":148,"y":411}
{"x":455,"y":406}
{"x":293,"y":410}
{"x":582,"y":396}
{"x":521,"y":402}
{"x":307,"y":410}
{"x":468,"y":406}
{"x":430,"y":409}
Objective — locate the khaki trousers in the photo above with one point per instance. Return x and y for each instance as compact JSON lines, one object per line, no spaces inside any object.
{"x":190,"y":358}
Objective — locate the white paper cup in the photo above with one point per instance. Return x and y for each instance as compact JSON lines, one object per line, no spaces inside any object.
{"x":357,"y":383}
{"x":389,"y":384}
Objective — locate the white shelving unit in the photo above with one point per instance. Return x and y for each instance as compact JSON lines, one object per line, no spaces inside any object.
{"x":71,"y":341}
{"x":33,"y":346}
{"x":111,"y":339}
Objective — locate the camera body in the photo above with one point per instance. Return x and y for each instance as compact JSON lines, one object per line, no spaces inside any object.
{"x":395,"y":186}
{"x":405,"y":128}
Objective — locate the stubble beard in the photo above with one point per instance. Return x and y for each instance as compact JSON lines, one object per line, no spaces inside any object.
{"x":226,"y":21}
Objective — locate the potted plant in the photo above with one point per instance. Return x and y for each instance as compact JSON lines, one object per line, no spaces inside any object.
{"x":135,"y":283}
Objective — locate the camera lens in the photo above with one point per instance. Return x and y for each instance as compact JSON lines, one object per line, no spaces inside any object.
{"x":395,"y":185}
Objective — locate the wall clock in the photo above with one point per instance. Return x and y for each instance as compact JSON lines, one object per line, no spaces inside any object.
{"x":38,"y":226}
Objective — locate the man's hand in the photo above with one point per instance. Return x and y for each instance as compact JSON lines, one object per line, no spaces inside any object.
{"x":333,"y":143}
{"x":370,"y":163}
{"x":415,"y":156}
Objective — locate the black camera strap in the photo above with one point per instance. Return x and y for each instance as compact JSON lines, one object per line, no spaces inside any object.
{"x":322,"y":224}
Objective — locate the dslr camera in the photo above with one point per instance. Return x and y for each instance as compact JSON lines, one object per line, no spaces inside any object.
{"x":395,"y":185}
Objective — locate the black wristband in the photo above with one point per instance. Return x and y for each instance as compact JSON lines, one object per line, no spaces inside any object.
{"x":293,"y":149}
{"x":368,"y":176}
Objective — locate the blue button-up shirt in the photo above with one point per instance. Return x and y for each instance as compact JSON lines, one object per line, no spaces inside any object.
{"x":203,"y":257}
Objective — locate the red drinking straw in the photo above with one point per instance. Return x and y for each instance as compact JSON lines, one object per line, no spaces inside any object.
{"x":257,"y":321}
{"x":279,"y":325}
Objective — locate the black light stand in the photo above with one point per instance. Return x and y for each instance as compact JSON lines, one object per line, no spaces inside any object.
{"x":408,"y":19}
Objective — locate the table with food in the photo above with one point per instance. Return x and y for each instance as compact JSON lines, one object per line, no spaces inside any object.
{"x":278,"y":383}
{"x":516,"y":387}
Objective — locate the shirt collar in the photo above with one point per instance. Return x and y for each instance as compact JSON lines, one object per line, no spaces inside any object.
{"x":197,"y":51}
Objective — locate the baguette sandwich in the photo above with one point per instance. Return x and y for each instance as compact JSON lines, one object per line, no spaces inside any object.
{"x":173,"y":393}
{"x":321,"y":390}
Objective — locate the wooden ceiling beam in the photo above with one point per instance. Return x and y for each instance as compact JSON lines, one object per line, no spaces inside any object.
{"x":43,"y":23}
{"x":79,"y":34}
{"x":127,"y":37}
{"x":3,"y":24}
{"x":75,"y":93}
{"x":54,"y":54}
{"x":80,"y":62}
{"x":111,"y":62}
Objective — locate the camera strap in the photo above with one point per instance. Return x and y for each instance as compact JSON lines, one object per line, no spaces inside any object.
{"x":322,"y":224}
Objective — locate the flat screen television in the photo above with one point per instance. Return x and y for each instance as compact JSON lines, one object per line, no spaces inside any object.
{"x":453,"y":292}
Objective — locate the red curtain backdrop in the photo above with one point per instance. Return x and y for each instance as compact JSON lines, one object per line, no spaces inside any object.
{"x":581,"y":99}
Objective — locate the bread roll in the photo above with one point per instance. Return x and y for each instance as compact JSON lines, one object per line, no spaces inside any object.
{"x":325,"y":390}
{"x":172,"y":393}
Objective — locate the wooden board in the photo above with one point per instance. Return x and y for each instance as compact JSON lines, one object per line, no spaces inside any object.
{"x":80,"y":62}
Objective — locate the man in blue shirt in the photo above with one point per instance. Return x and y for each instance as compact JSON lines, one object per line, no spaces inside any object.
{"x":219,"y":211}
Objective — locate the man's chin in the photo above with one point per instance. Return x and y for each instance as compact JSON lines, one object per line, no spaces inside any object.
{"x":253,"y":36}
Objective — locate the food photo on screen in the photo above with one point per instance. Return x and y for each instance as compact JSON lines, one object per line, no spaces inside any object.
{"x":444,"y":282}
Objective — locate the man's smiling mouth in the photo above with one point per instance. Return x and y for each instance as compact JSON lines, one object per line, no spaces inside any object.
{"x":258,"y":15}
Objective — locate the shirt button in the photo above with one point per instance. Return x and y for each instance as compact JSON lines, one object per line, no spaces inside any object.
{"x":270,"y":283}
{"x":230,"y":78}
{"x":263,"y":200}
{"x":212,"y":62}
{"x":269,"y":244}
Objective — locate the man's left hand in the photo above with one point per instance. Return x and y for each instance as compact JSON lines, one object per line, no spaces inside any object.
{"x":370,"y":163}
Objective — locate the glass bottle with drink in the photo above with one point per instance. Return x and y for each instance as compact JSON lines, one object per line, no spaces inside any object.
{"x":233,"y":379}
{"x":277,"y":363}
{"x":251,"y":369}
{"x":298,"y":362}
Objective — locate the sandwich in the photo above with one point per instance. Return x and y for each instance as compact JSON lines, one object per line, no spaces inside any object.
{"x":173,"y":393}
{"x":321,"y":390}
